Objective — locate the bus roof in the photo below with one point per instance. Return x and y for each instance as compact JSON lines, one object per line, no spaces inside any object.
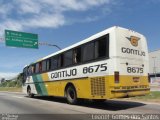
{"x":97,"y":35}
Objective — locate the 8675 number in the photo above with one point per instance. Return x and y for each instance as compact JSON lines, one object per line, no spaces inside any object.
{"x":95,"y":68}
{"x":134,"y":70}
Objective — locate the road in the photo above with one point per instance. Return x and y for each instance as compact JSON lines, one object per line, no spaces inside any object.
{"x":57,"y":108}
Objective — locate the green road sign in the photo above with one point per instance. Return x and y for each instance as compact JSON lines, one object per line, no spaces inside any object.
{"x":21,"y":39}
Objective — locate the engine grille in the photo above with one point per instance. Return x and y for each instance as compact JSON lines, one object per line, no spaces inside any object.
{"x":98,"y":86}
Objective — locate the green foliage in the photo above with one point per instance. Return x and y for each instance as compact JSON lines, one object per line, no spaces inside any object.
{"x":16,"y":82}
{"x":3,"y":84}
{"x":11,"y":89}
{"x":152,"y":95}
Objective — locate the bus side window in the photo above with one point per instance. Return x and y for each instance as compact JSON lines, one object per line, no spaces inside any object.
{"x":100,"y":47}
{"x":88,"y":52}
{"x":37,"y":68}
{"x":61,"y":60}
{"x":24,"y":74}
{"x":54,"y":62}
{"x":40,"y":67}
{"x":29,"y":70}
{"x":33,"y":69}
{"x":77,"y":55}
{"x":44,"y":66}
{"x":68,"y":58}
{"x":48,"y":64}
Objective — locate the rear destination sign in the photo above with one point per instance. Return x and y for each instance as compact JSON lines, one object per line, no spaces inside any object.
{"x":21,"y":39}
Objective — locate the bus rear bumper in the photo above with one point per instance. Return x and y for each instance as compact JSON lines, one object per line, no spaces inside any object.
{"x":129,"y":93}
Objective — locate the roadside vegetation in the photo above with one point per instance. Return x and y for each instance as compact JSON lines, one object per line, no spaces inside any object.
{"x":13,"y":85}
{"x":154,"y":96}
{"x":11,"y":89}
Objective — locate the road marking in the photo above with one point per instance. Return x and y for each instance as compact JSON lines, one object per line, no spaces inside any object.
{"x":12,"y":92}
{"x":17,"y":97}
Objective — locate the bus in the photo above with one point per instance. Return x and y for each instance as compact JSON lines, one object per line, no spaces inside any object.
{"x":110,"y":64}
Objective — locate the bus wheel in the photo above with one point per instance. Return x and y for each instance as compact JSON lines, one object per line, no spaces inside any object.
{"x":29,"y":92}
{"x":71,"y":95}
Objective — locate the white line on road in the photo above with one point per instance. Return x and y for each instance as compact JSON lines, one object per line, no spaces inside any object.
{"x":17,"y":97}
{"x":12,"y":92}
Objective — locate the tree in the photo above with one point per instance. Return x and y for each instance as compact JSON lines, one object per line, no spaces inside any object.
{"x":16,"y":82}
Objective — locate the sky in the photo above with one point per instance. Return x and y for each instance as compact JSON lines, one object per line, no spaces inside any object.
{"x":65,"y":22}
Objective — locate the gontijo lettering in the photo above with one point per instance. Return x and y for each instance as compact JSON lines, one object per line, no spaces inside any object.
{"x":65,"y":73}
{"x":132,"y":51}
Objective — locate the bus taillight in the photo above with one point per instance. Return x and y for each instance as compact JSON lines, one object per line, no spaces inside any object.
{"x":149,"y":79}
{"x":116,"y":77}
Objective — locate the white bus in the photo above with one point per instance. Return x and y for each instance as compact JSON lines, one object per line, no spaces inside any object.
{"x":110,"y":64}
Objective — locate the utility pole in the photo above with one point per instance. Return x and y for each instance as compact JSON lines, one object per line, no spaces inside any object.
{"x":1,"y":39}
{"x":154,"y":67}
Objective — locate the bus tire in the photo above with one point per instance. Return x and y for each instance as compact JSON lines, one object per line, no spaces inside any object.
{"x":71,"y":95}
{"x":29,"y":92}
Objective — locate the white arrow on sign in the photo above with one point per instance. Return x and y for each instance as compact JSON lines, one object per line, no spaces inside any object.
{"x":35,"y":43}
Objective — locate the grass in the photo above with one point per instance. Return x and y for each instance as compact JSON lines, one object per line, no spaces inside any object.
{"x":11,"y":89}
{"x":154,"y":96}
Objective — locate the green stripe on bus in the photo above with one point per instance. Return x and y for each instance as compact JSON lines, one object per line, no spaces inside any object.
{"x":37,"y":85}
{"x":42,"y":85}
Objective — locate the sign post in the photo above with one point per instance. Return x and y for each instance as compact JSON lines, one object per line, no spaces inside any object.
{"x":21,"y":39}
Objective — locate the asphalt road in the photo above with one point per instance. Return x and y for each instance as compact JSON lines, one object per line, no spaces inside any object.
{"x":56,"y":108}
